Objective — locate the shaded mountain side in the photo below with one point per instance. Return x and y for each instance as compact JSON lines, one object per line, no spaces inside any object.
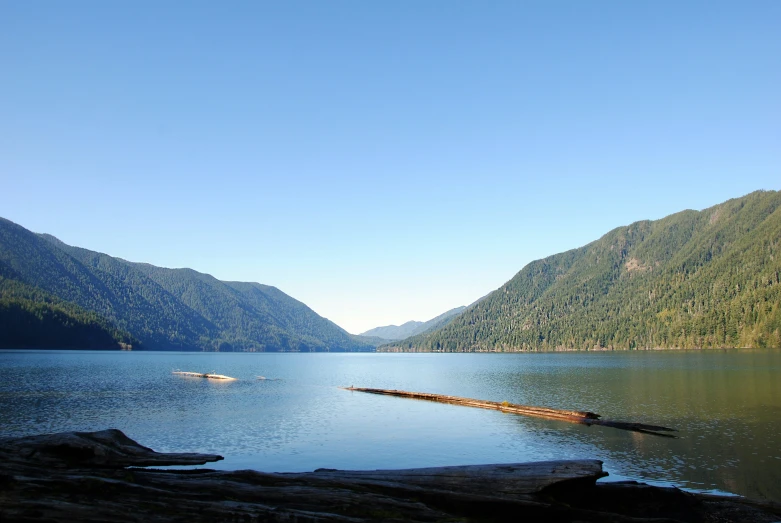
{"x":31,"y":319}
{"x":168,"y":309}
{"x":690,"y":280}
{"x":312,"y":329}
{"x":126,"y":298}
{"x":412,"y":328}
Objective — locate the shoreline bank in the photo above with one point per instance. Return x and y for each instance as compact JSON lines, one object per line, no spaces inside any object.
{"x":96,"y":476}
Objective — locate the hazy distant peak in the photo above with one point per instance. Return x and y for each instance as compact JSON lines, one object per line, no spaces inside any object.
{"x":393,"y":332}
{"x":412,"y":328}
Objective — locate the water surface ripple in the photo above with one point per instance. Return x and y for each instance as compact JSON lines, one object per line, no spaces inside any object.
{"x":726,"y":404}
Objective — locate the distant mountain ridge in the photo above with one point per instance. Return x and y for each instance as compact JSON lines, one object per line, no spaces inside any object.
{"x":166,"y":309}
{"x":412,"y":328}
{"x":693,"y":279}
{"x":394,"y":332}
{"x":690,"y":280}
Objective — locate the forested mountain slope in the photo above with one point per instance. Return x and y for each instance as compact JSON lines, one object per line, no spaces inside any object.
{"x":692,"y":279}
{"x":32,"y":319}
{"x":439,"y":321}
{"x":166,"y":308}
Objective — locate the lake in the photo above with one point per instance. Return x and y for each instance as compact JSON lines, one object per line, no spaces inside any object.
{"x":726,"y":405}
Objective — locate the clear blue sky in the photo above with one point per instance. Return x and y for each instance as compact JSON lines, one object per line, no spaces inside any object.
{"x":379,"y":161}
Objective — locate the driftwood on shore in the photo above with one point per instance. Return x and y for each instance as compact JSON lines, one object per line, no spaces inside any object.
{"x":91,"y":477}
{"x":571,"y":416}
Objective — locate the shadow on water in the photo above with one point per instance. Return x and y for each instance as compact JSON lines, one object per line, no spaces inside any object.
{"x":725,"y":404}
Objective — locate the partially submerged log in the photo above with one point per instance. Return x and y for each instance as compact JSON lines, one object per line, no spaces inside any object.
{"x":571,"y":416}
{"x":207,"y":375}
{"x":34,"y":486}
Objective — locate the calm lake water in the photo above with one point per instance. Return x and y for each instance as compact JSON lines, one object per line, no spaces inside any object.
{"x":726,"y":404}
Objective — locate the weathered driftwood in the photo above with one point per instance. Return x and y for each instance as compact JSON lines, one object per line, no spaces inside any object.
{"x":572,"y":416}
{"x":207,"y":375}
{"x":477,"y":480}
{"x":34,"y":487}
{"x":105,"y":448}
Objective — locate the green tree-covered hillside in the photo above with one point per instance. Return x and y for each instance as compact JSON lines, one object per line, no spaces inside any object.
{"x":167,"y":309}
{"x":30,"y":318}
{"x":692,"y":279}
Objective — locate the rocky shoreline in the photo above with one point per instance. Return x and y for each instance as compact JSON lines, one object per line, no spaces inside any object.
{"x":95,"y":476}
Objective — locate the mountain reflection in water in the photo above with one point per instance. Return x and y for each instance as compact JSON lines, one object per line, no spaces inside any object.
{"x":726,"y":405}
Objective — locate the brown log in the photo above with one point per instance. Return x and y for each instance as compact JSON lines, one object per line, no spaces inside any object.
{"x":571,"y":416}
{"x":35,"y":487}
{"x":106,"y":448}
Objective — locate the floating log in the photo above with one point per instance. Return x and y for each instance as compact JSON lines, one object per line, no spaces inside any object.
{"x":89,"y":477}
{"x":571,"y":416}
{"x":208,"y":375}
